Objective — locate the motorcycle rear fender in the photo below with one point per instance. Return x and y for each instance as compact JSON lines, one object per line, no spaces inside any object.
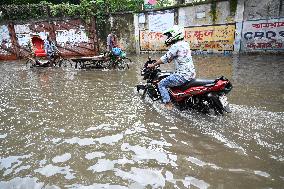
{"x":222,"y":86}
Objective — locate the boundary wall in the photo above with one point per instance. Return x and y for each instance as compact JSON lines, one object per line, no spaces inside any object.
{"x":72,"y":37}
{"x":254,"y":27}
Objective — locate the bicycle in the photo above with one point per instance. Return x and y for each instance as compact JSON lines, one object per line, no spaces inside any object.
{"x":115,"y":61}
{"x":33,"y":61}
{"x":60,"y":61}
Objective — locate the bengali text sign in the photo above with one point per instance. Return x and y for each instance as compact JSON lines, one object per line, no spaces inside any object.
{"x":218,"y":38}
{"x":263,"y":34}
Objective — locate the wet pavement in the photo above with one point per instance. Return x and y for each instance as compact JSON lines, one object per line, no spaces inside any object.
{"x":72,"y":128}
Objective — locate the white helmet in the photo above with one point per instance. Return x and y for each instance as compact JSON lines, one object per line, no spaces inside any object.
{"x":174,"y":34}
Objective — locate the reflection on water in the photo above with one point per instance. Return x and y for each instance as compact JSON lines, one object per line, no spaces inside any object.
{"x":69,"y":128}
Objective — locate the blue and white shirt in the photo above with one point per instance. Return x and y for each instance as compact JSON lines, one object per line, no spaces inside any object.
{"x":180,"y":53}
{"x":49,"y":47}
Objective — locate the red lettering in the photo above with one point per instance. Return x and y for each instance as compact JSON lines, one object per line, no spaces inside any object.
{"x":208,"y":33}
{"x":198,"y":35}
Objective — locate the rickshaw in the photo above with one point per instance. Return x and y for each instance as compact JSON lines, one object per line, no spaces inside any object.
{"x":115,"y":59}
{"x":38,"y":57}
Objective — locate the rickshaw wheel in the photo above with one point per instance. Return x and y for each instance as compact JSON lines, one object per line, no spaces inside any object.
{"x":121,"y":65}
{"x":127,"y":60}
{"x":106,"y":64}
{"x":30,"y":63}
{"x":65,"y":63}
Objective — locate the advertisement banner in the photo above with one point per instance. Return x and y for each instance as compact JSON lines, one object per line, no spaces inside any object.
{"x":215,"y":38}
{"x":159,"y":22}
{"x":261,"y":35}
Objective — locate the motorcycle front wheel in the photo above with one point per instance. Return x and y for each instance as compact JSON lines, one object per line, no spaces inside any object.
{"x":30,"y":63}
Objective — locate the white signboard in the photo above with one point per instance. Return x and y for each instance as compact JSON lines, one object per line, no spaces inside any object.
{"x":5,"y":39}
{"x":161,"y":22}
{"x":263,"y":35}
{"x":71,"y":36}
{"x":141,"y":18}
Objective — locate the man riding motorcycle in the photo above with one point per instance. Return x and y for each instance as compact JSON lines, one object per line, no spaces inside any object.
{"x":180,"y":53}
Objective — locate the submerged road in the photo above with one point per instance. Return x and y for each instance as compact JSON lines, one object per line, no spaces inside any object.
{"x":75,"y":128}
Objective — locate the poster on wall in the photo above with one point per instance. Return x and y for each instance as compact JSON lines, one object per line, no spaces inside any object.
{"x":203,"y":38}
{"x":141,"y":18}
{"x":5,"y":40}
{"x":211,"y":38}
{"x":71,"y":36}
{"x":152,"y":41}
{"x":160,"y":21}
{"x":259,"y":35}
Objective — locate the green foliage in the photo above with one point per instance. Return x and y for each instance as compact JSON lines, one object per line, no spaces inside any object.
{"x":214,"y":10}
{"x":233,"y":6}
{"x":23,"y":12}
{"x":86,"y":9}
{"x":18,"y":2}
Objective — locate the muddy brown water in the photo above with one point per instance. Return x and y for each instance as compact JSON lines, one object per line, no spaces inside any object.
{"x":72,"y":128}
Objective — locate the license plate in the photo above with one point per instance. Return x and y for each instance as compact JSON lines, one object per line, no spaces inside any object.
{"x":224,"y":101}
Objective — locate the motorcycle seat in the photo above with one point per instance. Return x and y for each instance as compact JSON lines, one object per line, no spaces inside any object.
{"x":195,"y":83}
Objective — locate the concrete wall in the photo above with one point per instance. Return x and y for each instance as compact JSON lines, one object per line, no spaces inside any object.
{"x":262,"y":9}
{"x":257,"y":26}
{"x":204,"y":35}
{"x":124,"y":27}
{"x":72,"y":37}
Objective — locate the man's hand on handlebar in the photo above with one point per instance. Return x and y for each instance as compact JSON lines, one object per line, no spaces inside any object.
{"x":151,"y":65}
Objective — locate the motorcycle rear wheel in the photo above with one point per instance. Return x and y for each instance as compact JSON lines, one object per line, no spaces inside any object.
{"x":221,"y":104}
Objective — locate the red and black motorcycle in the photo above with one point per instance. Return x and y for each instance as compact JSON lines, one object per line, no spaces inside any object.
{"x":198,"y":94}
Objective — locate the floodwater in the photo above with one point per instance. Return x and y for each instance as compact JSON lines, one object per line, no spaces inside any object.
{"x":72,"y":128}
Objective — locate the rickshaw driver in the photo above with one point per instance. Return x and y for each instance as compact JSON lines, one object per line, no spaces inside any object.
{"x":50,"y":49}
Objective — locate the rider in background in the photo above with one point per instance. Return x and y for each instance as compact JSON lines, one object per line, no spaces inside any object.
{"x":180,"y":53}
{"x":50,"y":49}
{"x":111,"y":41}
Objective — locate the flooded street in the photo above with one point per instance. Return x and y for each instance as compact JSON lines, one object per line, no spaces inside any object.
{"x":72,"y":128}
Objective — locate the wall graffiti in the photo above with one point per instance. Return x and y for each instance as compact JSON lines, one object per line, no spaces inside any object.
{"x":5,"y":40}
{"x":263,"y":35}
{"x":152,"y":41}
{"x":23,"y":34}
{"x":71,"y":36}
{"x":204,"y":38}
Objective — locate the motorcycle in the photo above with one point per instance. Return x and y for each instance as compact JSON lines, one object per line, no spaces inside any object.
{"x":197,"y":94}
